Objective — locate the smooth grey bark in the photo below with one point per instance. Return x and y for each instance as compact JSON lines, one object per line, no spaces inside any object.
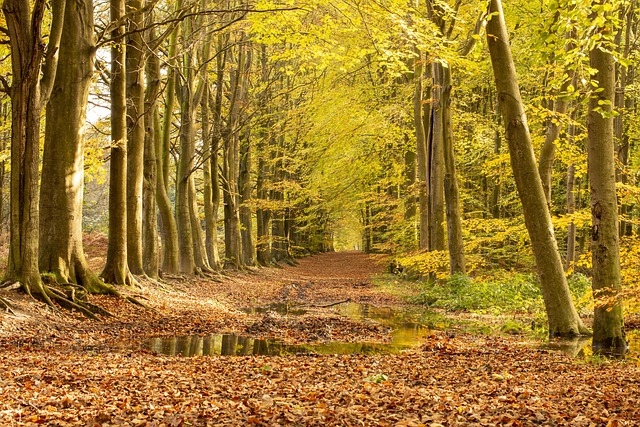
{"x":608,"y":322}
{"x":435,"y":165}
{"x":116,"y":270}
{"x":263,"y":213}
{"x":571,"y":209}
{"x":561,"y":313}
{"x":193,"y":257}
{"x":61,"y":248}
{"x":457,"y":261}
{"x":28,"y":95}
{"x":210,"y":138}
{"x":421,"y":148}
{"x":624,"y":105}
{"x":168,"y":228}
{"x":230,"y":168}
{"x":5,"y":136}
{"x":494,"y":205}
{"x":186,"y":162}
{"x":244,"y":174}
{"x":213,"y":183}
{"x":150,"y":250}
{"x":245,"y":185}
{"x":135,"y":59}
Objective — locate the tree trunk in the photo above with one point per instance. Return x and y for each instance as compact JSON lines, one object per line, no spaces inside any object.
{"x":244,"y":185}
{"x":457,"y":262}
{"x":608,"y":325}
{"x":168,"y":226}
{"x":61,"y":249}
{"x":5,"y":114}
{"x":624,"y":77}
{"x":244,"y":174}
{"x":116,"y":269}
{"x":263,"y":213}
{"x":435,"y":163}
{"x":279,"y":243}
{"x":233,"y":238}
{"x":28,"y":96}
{"x":494,"y":204}
{"x":213,"y":166}
{"x":193,"y":255}
{"x":186,"y":169}
{"x":150,"y":256}
{"x":562,"y":316}
{"x":421,"y":150}
{"x":571,"y":209}
{"x":135,"y":60}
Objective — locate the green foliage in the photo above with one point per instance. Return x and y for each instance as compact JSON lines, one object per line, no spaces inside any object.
{"x":512,"y":327}
{"x":376,"y":378}
{"x":510,"y":293}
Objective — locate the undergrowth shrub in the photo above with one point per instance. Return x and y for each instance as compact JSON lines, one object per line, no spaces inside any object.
{"x":504,"y":292}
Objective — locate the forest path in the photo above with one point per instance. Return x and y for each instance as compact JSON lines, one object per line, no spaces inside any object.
{"x":58,"y":369}
{"x":207,"y":305}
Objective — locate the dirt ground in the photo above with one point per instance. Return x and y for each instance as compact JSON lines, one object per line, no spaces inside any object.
{"x":56,"y":368}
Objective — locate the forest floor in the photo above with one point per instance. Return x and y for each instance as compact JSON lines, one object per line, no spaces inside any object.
{"x":59,"y":369}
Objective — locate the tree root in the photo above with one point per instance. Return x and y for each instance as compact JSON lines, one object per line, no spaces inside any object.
{"x":65,"y":302}
{"x":321,"y":305}
{"x":6,"y":306}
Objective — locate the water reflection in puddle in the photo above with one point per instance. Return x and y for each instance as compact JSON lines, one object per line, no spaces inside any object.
{"x":408,"y":327}
{"x":581,"y":347}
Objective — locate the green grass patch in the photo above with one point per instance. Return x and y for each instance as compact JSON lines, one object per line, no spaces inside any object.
{"x":506,"y":293}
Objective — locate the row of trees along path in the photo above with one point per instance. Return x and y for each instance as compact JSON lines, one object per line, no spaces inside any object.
{"x":299,"y":123}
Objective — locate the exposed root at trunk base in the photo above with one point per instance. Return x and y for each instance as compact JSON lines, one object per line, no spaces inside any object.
{"x":6,"y":306}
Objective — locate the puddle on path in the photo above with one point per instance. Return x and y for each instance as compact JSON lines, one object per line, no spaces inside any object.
{"x":581,"y":347}
{"x":408,"y":327}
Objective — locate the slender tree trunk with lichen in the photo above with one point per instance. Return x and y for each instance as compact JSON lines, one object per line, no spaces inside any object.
{"x":608,"y":322}
{"x":561,"y":313}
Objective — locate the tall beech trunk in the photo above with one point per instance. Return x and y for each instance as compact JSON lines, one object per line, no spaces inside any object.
{"x":244,"y":185}
{"x":244,"y":175}
{"x":210,"y":217}
{"x":168,"y":227}
{"x":186,"y":162}
{"x":233,"y":238}
{"x":61,"y":249}
{"x":624,"y":105}
{"x":135,"y":59}
{"x":213,"y":183}
{"x":193,"y":257}
{"x":494,"y":205}
{"x":571,"y":209}
{"x":279,"y":243}
{"x":263,"y":213}
{"x":116,"y":269}
{"x":421,"y":148}
{"x":211,"y":190}
{"x":28,"y":96}
{"x":150,"y":255}
{"x":608,"y":325}
{"x":435,"y":163}
{"x":5,"y":114}
{"x":457,"y":263}
{"x":562,"y":316}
